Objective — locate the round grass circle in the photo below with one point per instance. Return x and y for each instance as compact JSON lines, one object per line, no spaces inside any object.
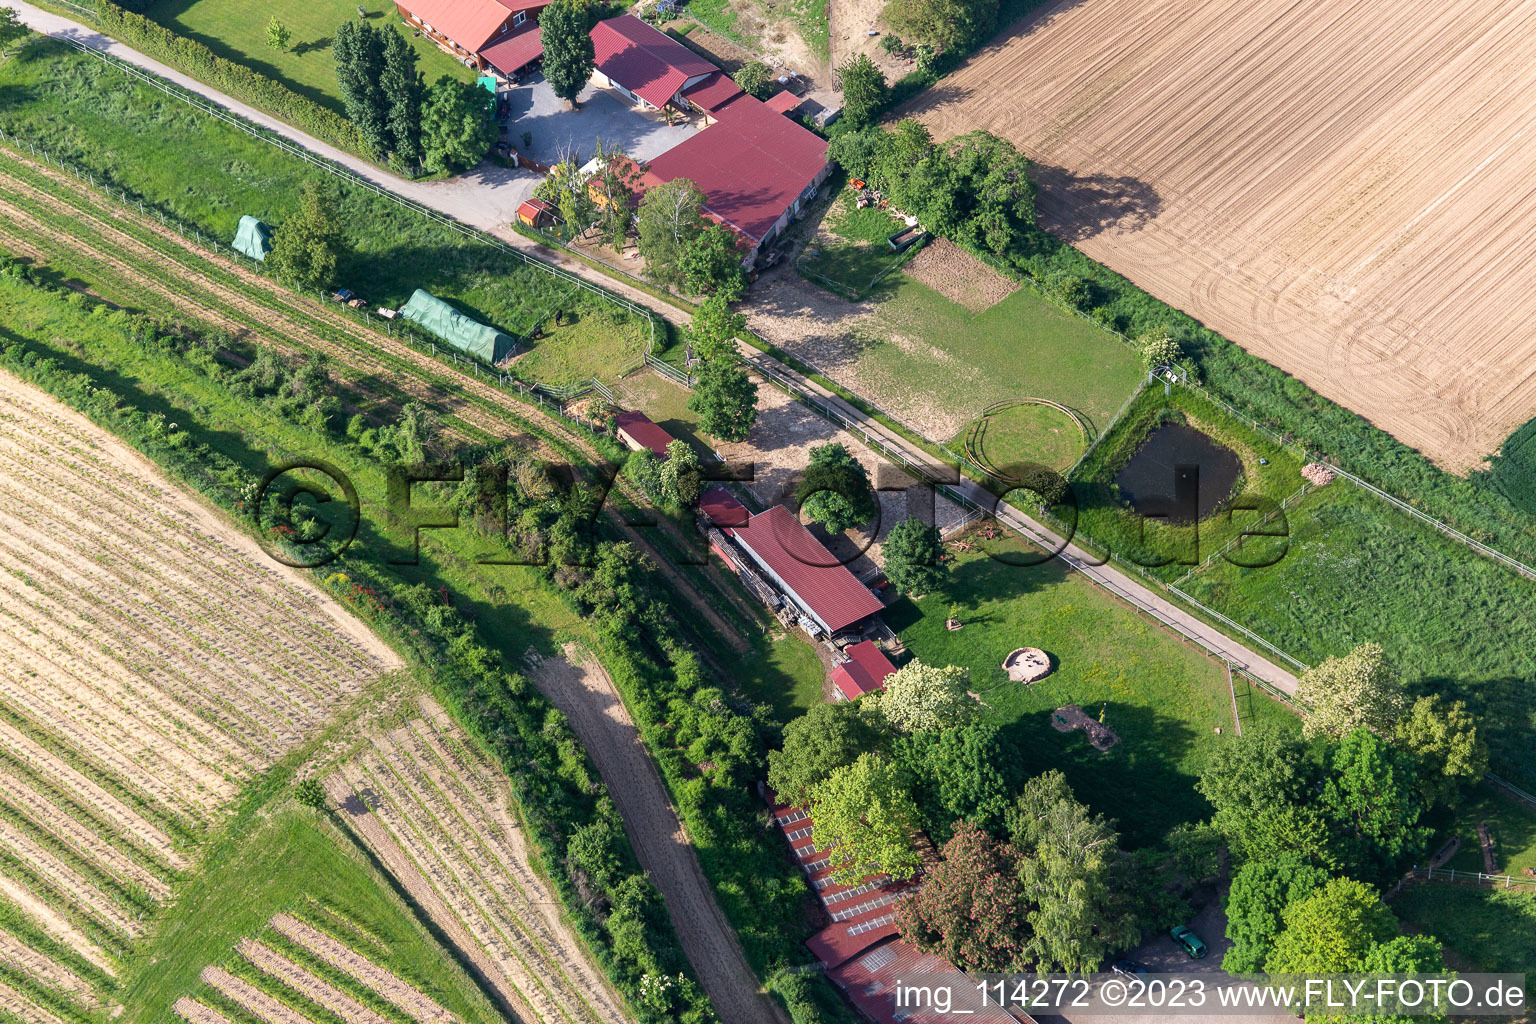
{"x":1026,"y":430}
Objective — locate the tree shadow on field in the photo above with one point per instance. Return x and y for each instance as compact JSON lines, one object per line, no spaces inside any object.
{"x":313,"y":46}
{"x":1076,"y":207}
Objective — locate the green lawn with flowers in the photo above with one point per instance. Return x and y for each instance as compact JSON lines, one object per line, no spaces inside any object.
{"x":1163,"y":696}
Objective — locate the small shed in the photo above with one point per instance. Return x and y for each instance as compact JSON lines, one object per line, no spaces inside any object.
{"x":638,"y":433}
{"x":253,"y":238}
{"x":784,"y":102}
{"x":536,"y":213}
{"x":456,"y":329}
{"x":865,"y":671}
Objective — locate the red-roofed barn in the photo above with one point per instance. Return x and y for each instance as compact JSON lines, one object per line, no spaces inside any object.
{"x":644,"y":64}
{"x":865,"y":671}
{"x":815,"y":583}
{"x":755,"y":167}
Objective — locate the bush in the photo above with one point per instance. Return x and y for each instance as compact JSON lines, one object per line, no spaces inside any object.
{"x":193,"y":58}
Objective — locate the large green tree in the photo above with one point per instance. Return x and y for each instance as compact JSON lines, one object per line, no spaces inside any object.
{"x":864,"y":89}
{"x":922,"y":698}
{"x":1356,"y":690}
{"x":359,"y":51}
{"x":755,"y":78}
{"x":616,"y":181}
{"x":670,"y":218}
{"x":725,"y":399}
{"x":1371,"y":802}
{"x":865,"y":816}
{"x":1256,"y":902}
{"x":970,"y":907}
{"x":403,"y":89}
{"x":456,"y":127}
{"x":1254,"y":783}
{"x":714,"y":328}
{"x":913,"y":554}
{"x":1069,"y":870}
{"x":569,"y":57}
{"x":710,"y":264}
{"x":964,"y":772}
{"x":824,"y":739}
{"x":947,"y":25}
{"x":1331,"y":930}
{"x":1443,"y":738}
{"x":835,"y":489}
{"x":681,"y":479}
{"x":307,"y":246}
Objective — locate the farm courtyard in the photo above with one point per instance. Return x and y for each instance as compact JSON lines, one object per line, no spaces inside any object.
{"x":1309,"y":209}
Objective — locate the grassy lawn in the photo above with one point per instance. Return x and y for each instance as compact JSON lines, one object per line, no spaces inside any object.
{"x":1027,"y":433}
{"x":237,"y":30}
{"x":857,"y":254}
{"x":599,"y":344}
{"x":921,"y":351}
{"x":1512,"y":825}
{"x":1164,"y":697}
{"x":1483,"y":929}
{"x":208,"y":174}
{"x":293,"y":860}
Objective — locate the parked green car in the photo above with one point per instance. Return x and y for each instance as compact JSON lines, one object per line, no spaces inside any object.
{"x":1191,"y":943}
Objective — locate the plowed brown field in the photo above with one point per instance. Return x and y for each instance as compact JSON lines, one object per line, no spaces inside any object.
{"x":1344,"y":188}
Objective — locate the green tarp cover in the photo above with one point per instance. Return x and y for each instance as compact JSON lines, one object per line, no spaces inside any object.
{"x":253,"y":238}
{"x":457,"y":329}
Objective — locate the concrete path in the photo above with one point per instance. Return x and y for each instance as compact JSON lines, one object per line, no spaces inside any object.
{"x":487,"y":198}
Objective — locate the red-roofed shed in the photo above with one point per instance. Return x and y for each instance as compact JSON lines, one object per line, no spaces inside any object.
{"x":517,"y":49}
{"x":864,"y":672}
{"x":808,"y":574}
{"x":644,"y":62}
{"x":721,"y":509}
{"x":637,"y":432}
{"x":870,"y":982}
{"x":756,"y":168}
{"x":783,"y":102}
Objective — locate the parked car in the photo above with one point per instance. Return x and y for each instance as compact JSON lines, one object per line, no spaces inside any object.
{"x":1128,"y":968}
{"x":1191,"y":943}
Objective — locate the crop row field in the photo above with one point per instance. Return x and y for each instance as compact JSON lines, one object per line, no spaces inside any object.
{"x":154,"y":662}
{"x":297,"y":973}
{"x":1337,"y":187}
{"x":442,"y":820}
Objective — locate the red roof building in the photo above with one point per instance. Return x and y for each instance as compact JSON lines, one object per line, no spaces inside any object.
{"x":784,"y":102}
{"x":807,"y":573}
{"x":637,"y":432}
{"x":643,"y":63}
{"x":884,"y":982}
{"x":721,"y":509}
{"x":474,"y":29}
{"x":713,"y":92}
{"x":755,"y":167}
{"x":864,"y":672}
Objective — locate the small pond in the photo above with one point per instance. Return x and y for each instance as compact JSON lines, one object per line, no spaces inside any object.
{"x":1178,"y":475}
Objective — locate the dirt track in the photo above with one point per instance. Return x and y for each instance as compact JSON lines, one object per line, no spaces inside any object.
{"x":587,"y":696}
{"x":1342,"y":188}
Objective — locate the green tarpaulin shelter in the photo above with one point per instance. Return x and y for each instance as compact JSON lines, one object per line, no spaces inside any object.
{"x":457,"y":329}
{"x":253,"y":238}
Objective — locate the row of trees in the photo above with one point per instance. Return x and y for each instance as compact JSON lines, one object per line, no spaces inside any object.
{"x":1029,"y":877}
{"x":446,"y":127}
{"x":1315,"y":829}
